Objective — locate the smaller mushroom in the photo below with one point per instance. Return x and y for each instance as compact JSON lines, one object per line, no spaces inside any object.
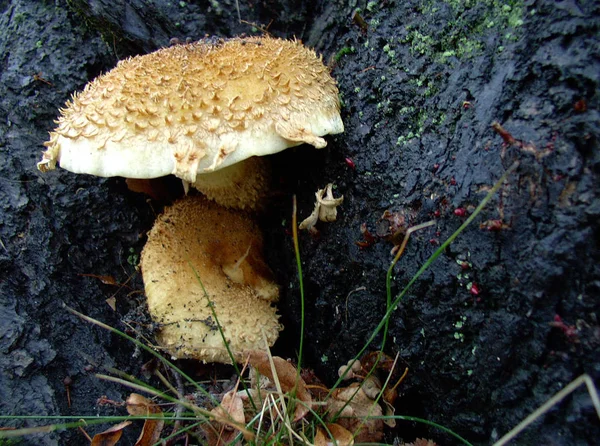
{"x":325,"y":208}
{"x":197,"y":245}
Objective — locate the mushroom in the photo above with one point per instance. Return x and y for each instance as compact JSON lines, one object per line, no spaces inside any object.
{"x":223,"y":255}
{"x":192,"y":110}
{"x":325,"y":208}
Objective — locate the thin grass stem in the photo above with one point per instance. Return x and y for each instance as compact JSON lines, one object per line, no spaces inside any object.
{"x":220,"y":328}
{"x":426,"y":266}
{"x":146,"y":348}
{"x":300,"y":280}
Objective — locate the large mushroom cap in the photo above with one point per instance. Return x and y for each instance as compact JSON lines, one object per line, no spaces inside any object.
{"x":224,"y":248}
{"x":195,"y":108}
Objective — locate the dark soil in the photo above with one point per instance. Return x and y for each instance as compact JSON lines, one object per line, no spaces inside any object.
{"x":421,"y":82}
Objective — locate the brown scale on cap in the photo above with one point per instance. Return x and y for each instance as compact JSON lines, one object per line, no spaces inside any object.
{"x":193,"y":109}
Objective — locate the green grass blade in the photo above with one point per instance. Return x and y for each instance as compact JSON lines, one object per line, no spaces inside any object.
{"x":146,"y":348}
{"x":424,"y":267}
{"x":301,"y":283}
{"x":229,"y":352}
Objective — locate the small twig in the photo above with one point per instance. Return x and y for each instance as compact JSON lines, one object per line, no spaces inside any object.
{"x":67,"y":382}
{"x":362,"y":24}
{"x":237,"y":7}
{"x":263,"y":29}
{"x":85,"y":434}
{"x":525,"y":147}
{"x":166,"y":382}
{"x":401,"y":379}
{"x":179,"y":408}
{"x":360,"y":288}
{"x":506,"y":137}
{"x":409,"y":231}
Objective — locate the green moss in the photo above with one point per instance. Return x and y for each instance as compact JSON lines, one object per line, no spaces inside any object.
{"x":419,"y":43}
{"x":344,"y":52}
{"x":419,"y":121}
{"x":19,"y":18}
{"x":383,"y":104}
{"x":133,"y":258}
{"x":464,"y":35}
{"x":390,"y":52}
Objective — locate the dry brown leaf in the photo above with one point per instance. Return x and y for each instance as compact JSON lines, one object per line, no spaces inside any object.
{"x":139,"y":405}
{"x":371,"y":386}
{"x":389,"y":412}
{"x":341,"y":435}
{"x":354,"y":407}
{"x":107,"y":280}
{"x":112,"y":303}
{"x":110,"y":436}
{"x":232,"y":407}
{"x":286,"y":375}
{"x":320,"y":438}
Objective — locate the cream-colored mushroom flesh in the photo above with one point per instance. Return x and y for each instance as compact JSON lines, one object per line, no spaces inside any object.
{"x":224,"y":249}
{"x":242,"y":185}
{"x":196,"y":108}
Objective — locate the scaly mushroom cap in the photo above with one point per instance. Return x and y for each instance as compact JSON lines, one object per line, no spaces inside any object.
{"x":195,"y":108}
{"x":224,"y":248}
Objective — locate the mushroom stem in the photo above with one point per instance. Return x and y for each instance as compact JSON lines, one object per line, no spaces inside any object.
{"x":242,"y":185}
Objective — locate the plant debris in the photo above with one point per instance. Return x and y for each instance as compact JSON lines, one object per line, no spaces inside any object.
{"x":325,"y":208}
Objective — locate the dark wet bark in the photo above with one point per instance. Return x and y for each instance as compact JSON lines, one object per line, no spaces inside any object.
{"x":421,"y":88}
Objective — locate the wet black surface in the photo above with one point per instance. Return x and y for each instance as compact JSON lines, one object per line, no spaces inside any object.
{"x":421,"y":88}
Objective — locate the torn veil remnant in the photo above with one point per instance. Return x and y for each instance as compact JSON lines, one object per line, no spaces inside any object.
{"x":325,"y":208}
{"x":191,"y":110}
{"x":197,"y":245}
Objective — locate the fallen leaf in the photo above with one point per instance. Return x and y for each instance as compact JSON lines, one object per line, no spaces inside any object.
{"x":320,"y":438}
{"x":341,"y":436}
{"x":107,"y":280}
{"x":110,"y":436}
{"x":112,"y":303}
{"x":371,"y":386}
{"x":353,"y":410}
{"x":141,"y":406}
{"x":287,"y":377}
{"x":389,"y":412}
{"x":232,"y":407}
